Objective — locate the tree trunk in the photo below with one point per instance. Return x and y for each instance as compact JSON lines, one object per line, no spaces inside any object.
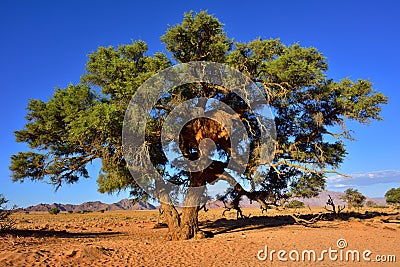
{"x":189,"y":223}
{"x":180,"y":226}
{"x":172,"y":219}
{"x":185,"y":226}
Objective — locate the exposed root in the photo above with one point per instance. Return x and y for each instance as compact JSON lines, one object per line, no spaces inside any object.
{"x":307,"y":223}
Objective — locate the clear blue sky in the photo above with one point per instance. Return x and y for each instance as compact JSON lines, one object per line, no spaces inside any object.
{"x":44,"y":44}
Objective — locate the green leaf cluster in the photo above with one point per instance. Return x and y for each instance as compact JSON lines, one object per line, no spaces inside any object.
{"x":83,"y":122}
{"x":393,"y":196}
{"x":354,"y":198}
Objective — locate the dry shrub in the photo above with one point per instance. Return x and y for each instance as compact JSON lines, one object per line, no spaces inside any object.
{"x":6,"y":222}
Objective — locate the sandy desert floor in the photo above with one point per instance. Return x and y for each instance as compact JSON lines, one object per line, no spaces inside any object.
{"x":130,"y":238}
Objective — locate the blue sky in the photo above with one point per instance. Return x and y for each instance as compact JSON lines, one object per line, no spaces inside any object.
{"x":44,"y":44}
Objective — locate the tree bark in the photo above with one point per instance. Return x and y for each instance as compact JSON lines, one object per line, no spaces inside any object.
{"x":189,"y":223}
{"x":181,"y":226}
{"x":172,"y":219}
{"x":185,"y":226}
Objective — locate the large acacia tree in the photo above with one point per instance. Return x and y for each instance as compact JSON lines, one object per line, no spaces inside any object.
{"x":83,"y":122}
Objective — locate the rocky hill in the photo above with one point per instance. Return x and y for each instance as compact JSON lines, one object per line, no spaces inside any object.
{"x":124,"y":204}
{"x":319,"y":201}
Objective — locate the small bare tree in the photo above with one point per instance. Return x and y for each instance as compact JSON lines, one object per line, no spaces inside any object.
{"x":332,"y":204}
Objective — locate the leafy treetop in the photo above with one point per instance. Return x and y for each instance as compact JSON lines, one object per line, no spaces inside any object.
{"x":83,"y":122}
{"x":393,"y":196}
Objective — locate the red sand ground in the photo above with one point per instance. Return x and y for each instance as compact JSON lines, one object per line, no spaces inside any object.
{"x":130,"y":239}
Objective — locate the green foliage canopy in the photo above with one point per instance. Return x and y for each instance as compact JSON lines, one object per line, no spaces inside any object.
{"x":393,"y":196}
{"x":354,"y":198}
{"x":295,"y":204}
{"x":83,"y":122}
{"x":54,"y":211}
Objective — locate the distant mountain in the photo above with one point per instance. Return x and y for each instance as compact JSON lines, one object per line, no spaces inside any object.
{"x":124,"y":204}
{"x":319,"y":201}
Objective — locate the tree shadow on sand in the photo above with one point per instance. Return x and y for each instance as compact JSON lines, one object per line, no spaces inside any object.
{"x":223,"y":225}
{"x":61,"y":234}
